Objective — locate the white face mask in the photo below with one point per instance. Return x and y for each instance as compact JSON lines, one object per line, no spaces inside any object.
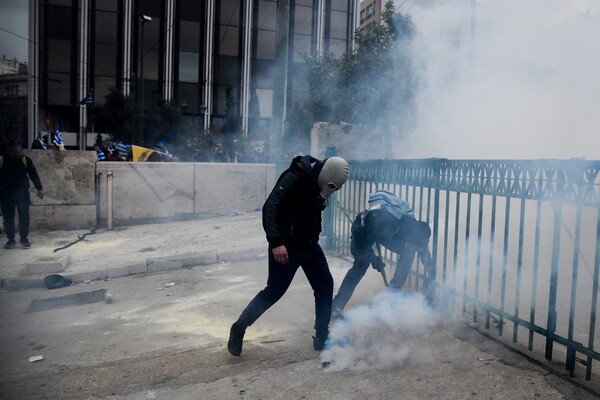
{"x":333,"y":176}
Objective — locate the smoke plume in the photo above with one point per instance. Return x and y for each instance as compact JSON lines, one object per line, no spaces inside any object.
{"x":505,"y":79}
{"x":383,"y":334}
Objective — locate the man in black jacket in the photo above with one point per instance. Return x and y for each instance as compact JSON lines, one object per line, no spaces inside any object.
{"x":15,"y":172}
{"x":292,"y":223}
{"x":388,"y":222}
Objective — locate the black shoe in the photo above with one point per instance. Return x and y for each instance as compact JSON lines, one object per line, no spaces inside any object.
{"x":11,"y":244}
{"x":25,"y":243}
{"x":319,"y":343}
{"x":236,"y":338}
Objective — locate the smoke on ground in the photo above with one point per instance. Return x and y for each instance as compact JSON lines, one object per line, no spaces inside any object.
{"x":383,"y":334}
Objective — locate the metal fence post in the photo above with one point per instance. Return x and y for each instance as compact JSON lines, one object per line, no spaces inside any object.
{"x":330,"y":151}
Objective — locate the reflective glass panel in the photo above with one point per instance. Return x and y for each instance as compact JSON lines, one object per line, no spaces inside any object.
{"x":108,"y":5}
{"x":106,"y":27}
{"x":189,"y":39}
{"x":59,"y":55}
{"x":188,"y":66}
{"x":301,"y":47}
{"x":230,"y":12}
{"x":59,"y":23}
{"x":267,"y":15}
{"x":338,"y":24}
{"x":340,"y":5}
{"x":106,"y":60}
{"x":59,"y":88}
{"x":303,"y":20}
{"x":265,"y":45}
{"x":229,"y":41}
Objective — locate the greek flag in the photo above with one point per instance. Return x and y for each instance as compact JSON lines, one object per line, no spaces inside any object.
{"x":58,"y":140}
{"x":87,"y":100}
{"x":100,"y":155}
{"x":123,"y":148}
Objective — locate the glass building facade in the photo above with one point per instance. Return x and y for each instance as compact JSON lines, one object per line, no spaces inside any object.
{"x":188,"y":52}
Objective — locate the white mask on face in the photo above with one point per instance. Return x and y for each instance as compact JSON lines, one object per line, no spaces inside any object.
{"x":333,"y":175}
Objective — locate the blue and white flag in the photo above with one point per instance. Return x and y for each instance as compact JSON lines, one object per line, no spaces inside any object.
{"x":100,"y":154}
{"x":87,"y":100}
{"x":58,"y":140}
{"x":123,"y":148}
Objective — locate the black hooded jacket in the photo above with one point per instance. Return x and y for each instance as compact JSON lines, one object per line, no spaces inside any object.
{"x":292,"y":212}
{"x":15,"y":174}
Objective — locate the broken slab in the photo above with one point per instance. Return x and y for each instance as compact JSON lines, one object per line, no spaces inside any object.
{"x":46,"y":265}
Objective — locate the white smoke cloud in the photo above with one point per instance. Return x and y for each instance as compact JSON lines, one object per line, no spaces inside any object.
{"x":383,"y":334}
{"x":506,"y":79}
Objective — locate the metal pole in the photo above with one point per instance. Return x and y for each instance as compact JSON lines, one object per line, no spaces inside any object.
{"x":109,"y":200}
{"x":141,"y":124}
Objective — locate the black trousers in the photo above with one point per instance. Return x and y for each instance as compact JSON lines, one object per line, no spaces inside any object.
{"x":361,"y":247}
{"x":315,"y":267}
{"x":19,"y":200}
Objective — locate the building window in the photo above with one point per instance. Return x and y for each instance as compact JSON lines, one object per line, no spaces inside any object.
{"x":188,"y":66}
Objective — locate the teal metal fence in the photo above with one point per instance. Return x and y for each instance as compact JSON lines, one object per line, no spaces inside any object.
{"x":515,"y":243}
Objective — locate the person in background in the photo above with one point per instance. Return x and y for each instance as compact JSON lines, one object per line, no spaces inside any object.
{"x":291,"y":218}
{"x":389,"y":221}
{"x":38,"y":143}
{"x":111,"y":153}
{"x":161,"y":153}
{"x":218,"y":154}
{"x":16,"y":170}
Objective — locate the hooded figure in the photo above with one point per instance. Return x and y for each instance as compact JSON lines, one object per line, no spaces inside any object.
{"x":16,"y":169}
{"x":292,"y":223}
{"x":389,"y":222}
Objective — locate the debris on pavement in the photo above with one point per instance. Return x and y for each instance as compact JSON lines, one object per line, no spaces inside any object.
{"x":108,"y":297}
{"x":36,"y":358}
{"x":169,"y":284}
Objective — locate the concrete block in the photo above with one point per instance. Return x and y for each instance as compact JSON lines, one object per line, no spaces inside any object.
{"x":139,"y":268}
{"x":46,"y":265}
{"x":242,"y":255}
{"x":14,"y":284}
{"x":181,"y":261}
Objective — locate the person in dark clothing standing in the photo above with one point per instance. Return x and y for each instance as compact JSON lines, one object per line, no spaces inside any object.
{"x":292,"y":222}
{"x":15,"y":172}
{"x":389,"y":222}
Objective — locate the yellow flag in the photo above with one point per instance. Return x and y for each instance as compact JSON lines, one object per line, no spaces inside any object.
{"x":140,"y":154}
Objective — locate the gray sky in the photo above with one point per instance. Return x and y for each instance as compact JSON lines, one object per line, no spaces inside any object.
{"x":13,"y":18}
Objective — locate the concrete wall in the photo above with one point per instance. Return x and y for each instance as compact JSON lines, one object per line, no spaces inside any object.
{"x":170,"y":191}
{"x":68,"y":180}
{"x":75,"y":184}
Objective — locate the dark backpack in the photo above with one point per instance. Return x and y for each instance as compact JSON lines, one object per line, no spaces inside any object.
{"x":56,"y":281}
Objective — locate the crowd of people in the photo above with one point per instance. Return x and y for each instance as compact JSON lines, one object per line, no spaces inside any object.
{"x":117,"y":150}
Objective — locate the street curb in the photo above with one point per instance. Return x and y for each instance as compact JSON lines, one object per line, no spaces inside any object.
{"x":151,"y":265}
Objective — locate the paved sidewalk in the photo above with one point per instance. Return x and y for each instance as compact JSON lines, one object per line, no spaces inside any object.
{"x":87,"y":255}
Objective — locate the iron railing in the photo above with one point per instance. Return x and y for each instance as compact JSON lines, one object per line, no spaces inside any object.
{"x":512,"y":240}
